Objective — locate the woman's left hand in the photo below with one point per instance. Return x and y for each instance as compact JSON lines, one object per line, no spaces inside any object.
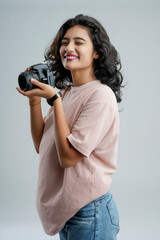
{"x":43,"y":90}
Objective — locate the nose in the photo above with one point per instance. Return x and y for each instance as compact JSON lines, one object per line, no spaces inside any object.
{"x":69,"y":47}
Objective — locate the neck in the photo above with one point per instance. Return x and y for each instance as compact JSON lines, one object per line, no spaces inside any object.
{"x":80,"y":78}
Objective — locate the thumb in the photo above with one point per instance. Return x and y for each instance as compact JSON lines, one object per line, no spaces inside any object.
{"x":36,"y":83}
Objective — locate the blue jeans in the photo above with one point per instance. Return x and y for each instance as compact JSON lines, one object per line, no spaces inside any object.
{"x":98,"y":220}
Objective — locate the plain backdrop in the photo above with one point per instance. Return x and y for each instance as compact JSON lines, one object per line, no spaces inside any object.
{"x":26,"y":29}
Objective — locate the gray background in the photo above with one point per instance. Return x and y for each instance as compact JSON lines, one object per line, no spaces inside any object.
{"x":27,"y":27}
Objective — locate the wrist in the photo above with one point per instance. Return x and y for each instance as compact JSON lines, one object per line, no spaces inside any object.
{"x":52,"y":99}
{"x":33,"y":100}
{"x":31,"y":104}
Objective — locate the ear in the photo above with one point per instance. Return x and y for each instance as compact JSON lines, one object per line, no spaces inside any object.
{"x":96,"y":55}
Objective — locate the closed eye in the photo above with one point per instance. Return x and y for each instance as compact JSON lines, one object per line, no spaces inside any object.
{"x":64,"y":43}
{"x":78,"y":43}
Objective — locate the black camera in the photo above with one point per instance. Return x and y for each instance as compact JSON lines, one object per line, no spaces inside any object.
{"x":40,"y":72}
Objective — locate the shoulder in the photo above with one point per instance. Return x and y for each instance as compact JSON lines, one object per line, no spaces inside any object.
{"x":103,"y":93}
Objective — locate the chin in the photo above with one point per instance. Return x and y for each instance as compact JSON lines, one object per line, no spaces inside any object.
{"x":71,"y":68}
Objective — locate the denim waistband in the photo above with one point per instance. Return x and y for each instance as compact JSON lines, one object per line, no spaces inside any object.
{"x":98,"y":201}
{"x":106,"y":195}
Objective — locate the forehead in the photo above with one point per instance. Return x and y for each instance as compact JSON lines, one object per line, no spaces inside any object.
{"x":77,"y":31}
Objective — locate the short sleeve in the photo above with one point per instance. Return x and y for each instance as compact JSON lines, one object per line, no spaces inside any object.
{"x":91,"y":126}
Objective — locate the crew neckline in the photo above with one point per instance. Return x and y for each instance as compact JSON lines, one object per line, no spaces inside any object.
{"x":85,"y":85}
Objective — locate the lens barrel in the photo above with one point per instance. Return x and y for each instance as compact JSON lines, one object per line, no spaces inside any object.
{"x":24,"y":81}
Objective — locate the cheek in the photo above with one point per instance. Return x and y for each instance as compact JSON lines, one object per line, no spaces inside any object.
{"x":61,"y":52}
{"x":89,"y":54}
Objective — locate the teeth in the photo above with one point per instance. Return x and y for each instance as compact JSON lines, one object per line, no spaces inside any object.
{"x":71,"y":57}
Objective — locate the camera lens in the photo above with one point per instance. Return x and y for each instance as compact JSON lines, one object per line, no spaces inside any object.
{"x":24,"y":81}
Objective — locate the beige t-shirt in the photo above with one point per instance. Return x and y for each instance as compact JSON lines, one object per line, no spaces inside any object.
{"x":92,"y":114}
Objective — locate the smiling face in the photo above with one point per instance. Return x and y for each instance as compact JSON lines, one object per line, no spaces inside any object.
{"x":76,"y":50}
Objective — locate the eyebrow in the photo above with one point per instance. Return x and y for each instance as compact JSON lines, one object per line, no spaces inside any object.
{"x":76,"y":38}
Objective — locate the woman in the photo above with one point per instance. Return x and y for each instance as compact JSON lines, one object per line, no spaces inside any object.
{"x":78,"y":138}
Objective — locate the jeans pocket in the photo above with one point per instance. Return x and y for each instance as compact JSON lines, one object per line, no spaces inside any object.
{"x":113,"y":212}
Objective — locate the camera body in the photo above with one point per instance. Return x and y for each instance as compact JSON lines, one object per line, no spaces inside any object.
{"x":39,"y":72}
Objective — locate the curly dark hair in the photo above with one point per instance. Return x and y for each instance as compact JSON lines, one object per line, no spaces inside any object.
{"x":106,"y":67}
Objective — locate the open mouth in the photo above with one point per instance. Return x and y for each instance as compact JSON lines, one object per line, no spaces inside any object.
{"x":70,"y":57}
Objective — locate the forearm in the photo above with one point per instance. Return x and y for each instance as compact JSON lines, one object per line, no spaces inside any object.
{"x":68,"y":155}
{"x":36,"y":124}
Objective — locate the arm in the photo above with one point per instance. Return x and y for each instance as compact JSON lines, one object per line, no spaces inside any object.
{"x":36,"y":123}
{"x":68,"y":155}
{"x":36,"y":119}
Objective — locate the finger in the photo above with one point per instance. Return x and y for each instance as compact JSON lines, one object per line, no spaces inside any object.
{"x":20,"y":91}
{"x":27,"y":69}
{"x":37,"y":83}
{"x":27,"y":93}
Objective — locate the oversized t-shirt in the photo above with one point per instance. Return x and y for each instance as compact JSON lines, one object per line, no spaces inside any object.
{"x":92,"y":115}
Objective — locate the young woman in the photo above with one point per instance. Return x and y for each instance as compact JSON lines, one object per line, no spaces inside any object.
{"x":77,"y":140}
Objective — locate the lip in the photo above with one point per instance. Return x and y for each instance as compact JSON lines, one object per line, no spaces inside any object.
{"x":70,"y":57}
